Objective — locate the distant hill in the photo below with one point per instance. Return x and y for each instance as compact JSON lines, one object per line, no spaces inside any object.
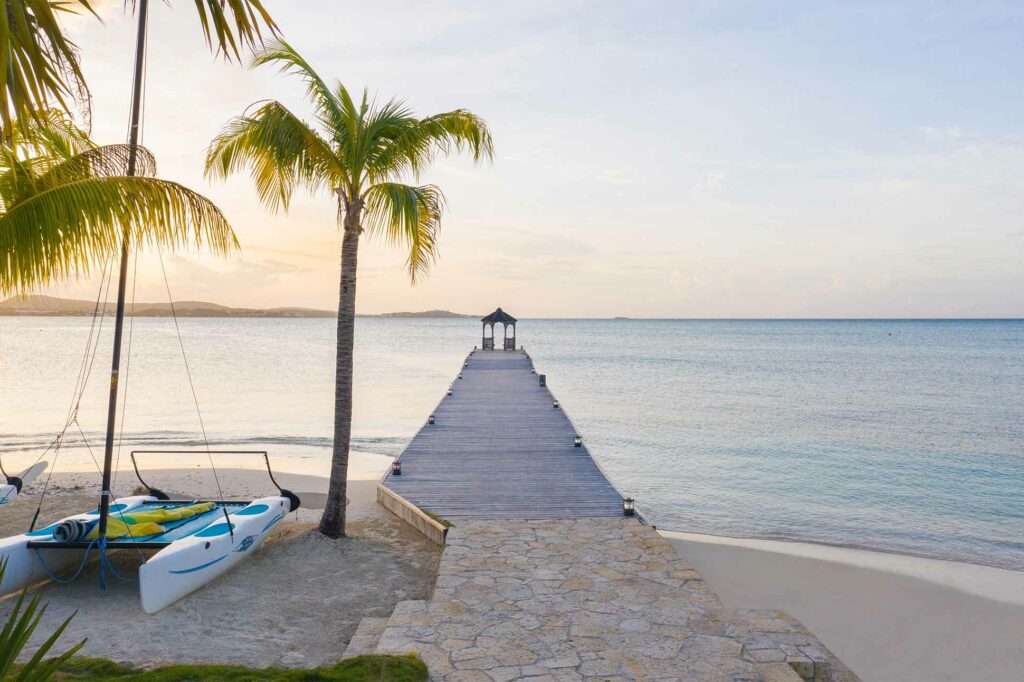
{"x":50,"y":305}
{"x":425,"y":313}
{"x":53,"y":306}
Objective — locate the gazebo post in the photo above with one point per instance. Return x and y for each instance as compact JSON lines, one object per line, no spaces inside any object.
{"x":509,"y":344}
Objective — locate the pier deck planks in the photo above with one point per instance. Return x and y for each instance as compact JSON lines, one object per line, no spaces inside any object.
{"x":499,"y":450}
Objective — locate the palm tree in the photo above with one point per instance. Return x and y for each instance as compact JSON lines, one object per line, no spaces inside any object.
{"x":359,"y":152}
{"x":66,"y":204}
{"x":39,"y":65}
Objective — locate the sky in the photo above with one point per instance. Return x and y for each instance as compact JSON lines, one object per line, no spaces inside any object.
{"x":654,"y":159}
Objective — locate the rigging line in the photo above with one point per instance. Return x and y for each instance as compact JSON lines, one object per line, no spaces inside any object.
{"x":92,"y":346}
{"x":88,"y":447}
{"x":127,"y":367}
{"x":195,"y":398}
{"x":46,"y":484}
{"x":80,"y":384}
{"x":93,"y":334}
{"x":96,"y":311}
{"x":99,"y":331}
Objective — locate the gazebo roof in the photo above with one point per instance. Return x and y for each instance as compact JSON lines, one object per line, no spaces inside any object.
{"x":498,"y":315}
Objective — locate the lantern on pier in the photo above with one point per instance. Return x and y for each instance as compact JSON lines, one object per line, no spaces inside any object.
{"x":430,"y":419}
{"x":577,"y":441}
{"x":396,"y":468}
{"x":628,"y":507}
{"x":555,"y":404}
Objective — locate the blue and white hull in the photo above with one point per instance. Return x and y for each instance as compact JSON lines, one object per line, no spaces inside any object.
{"x":189,"y":563}
{"x":27,"y":566}
{"x":191,"y":554}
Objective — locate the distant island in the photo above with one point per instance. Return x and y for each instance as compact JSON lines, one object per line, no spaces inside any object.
{"x":53,"y":306}
{"x":425,"y":313}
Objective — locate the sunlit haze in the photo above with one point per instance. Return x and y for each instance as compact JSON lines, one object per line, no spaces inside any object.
{"x":654,"y":159}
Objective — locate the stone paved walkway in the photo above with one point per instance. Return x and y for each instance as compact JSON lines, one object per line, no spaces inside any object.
{"x":600,"y":599}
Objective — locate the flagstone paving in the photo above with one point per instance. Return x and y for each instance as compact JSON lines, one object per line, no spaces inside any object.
{"x":591,"y":599}
{"x":578,"y":592}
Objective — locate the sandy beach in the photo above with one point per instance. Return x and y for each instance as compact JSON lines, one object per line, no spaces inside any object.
{"x":295,"y":603}
{"x":888,"y":617}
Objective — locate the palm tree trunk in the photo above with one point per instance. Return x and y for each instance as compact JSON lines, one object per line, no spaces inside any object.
{"x":332,"y":524}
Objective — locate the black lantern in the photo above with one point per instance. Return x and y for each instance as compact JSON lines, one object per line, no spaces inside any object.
{"x":628,"y":508}
{"x":577,"y":441}
{"x":430,"y":419}
{"x":396,"y":468}
{"x":460,"y":376}
{"x":555,"y":404}
{"x":449,"y":390}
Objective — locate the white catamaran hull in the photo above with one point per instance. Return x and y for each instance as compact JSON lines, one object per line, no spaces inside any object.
{"x":187,"y":564}
{"x":9,"y":491}
{"x":25,"y":566}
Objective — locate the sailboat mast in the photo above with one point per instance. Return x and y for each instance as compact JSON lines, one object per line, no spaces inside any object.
{"x":122,"y":282}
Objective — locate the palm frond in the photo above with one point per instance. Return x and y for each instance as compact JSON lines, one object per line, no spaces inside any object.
{"x":370,"y":148}
{"x":229,"y":26}
{"x":415,"y":146}
{"x":281,"y":152}
{"x":23,"y":178}
{"x":21,"y":623}
{"x":39,"y":66}
{"x":64,"y":231}
{"x":105,"y":161}
{"x":409,"y":216}
{"x":334,"y":108}
{"x":51,"y":133}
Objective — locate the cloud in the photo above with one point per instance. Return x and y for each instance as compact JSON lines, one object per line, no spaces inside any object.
{"x":254,"y":274}
{"x":681,"y":284}
{"x":947,"y":133}
{"x":714,"y":180}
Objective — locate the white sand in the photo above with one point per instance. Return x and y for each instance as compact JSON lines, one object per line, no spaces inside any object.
{"x":295,"y":602}
{"x":888,"y":617}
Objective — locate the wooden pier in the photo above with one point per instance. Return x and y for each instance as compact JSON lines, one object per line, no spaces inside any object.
{"x":499,"y":449}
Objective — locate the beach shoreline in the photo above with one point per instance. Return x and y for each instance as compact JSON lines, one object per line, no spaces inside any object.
{"x":887,"y":616}
{"x":979,"y":579}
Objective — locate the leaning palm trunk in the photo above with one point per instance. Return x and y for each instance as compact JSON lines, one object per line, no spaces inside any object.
{"x":332,"y":524}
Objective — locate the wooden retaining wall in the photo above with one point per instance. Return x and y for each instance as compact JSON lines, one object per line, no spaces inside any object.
{"x":411,"y":514}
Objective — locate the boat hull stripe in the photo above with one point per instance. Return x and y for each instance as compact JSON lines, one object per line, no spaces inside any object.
{"x":199,"y":567}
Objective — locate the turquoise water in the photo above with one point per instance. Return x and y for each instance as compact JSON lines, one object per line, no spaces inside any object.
{"x":905,"y":436}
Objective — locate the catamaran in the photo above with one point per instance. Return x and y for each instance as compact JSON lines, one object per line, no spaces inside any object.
{"x":196,"y":540}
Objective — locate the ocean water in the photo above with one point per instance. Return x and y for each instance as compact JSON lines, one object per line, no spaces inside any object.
{"x":904,"y":436}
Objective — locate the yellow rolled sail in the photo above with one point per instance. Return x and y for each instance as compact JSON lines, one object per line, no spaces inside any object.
{"x":142,"y":524}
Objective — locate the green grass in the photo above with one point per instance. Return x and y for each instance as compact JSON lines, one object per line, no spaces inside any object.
{"x":444,"y":522}
{"x":376,"y":667}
